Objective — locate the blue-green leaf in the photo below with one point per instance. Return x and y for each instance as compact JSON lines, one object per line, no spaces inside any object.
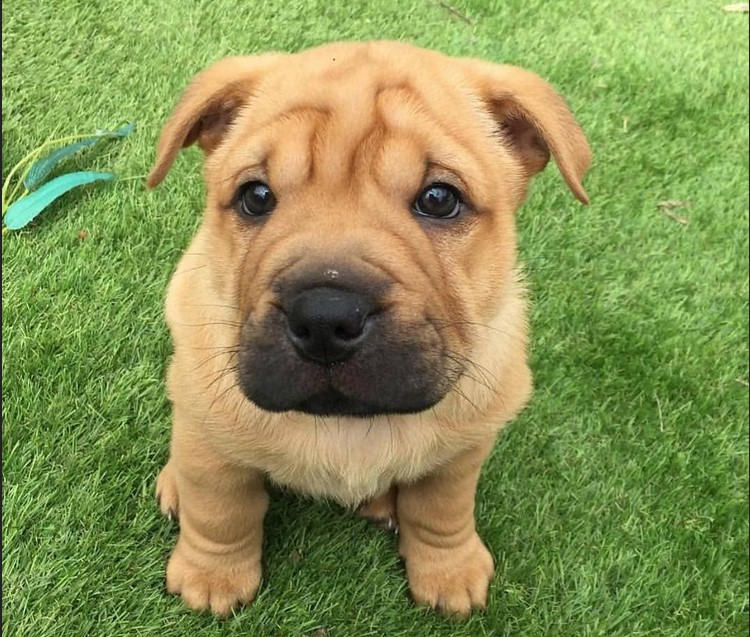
{"x":123,"y":131}
{"x":25,"y":209}
{"x":44,"y":166}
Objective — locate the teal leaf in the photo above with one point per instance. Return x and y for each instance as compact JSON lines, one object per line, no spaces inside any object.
{"x":25,"y":209}
{"x":44,"y":166}
{"x":123,"y":131}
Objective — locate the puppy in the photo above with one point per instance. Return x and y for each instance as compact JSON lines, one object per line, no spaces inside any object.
{"x":349,"y":320}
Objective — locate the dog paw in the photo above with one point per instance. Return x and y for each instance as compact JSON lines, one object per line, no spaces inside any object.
{"x":166,"y":493}
{"x":219,"y":588}
{"x":381,"y":511}
{"x":451,"y":580}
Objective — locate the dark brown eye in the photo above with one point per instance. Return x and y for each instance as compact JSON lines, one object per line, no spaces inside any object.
{"x":438,"y":200}
{"x":256,"y":199}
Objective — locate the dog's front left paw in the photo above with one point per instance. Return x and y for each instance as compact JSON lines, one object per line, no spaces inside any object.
{"x":220,"y":587}
{"x":381,"y":511}
{"x":167,"y":498}
{"x":451,"y":580}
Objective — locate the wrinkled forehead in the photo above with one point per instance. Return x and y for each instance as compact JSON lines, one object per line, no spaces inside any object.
{"x":334,"y":118}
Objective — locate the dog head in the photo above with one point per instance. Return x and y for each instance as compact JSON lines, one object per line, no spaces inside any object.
{"x":360,"y":213}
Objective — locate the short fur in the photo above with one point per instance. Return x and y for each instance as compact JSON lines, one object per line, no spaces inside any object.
{"x":346,"y":135}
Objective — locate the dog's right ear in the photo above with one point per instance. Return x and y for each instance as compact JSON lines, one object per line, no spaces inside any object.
{"x":207,"y":108}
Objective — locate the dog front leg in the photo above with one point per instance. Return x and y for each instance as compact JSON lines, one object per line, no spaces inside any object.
{"x":447,"y":564}
{"x":216,"y":563}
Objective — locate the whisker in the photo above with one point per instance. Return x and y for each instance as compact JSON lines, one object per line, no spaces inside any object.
{"x":218,"y":377}
{"x":213,"y":356}
{"x":229,"y":307}
{"x":484,"y":370}
{"x":390,"y":431}
{"x":222,"y":394}
{"x":434,"y":413}
{"x":197,"y":267}
{"x":212,"y":323}
{"x":442,"y":325}
{"x":479,"y":382}
{"x":227,"y":370}
{"x":465,"y":361}
{"x":463,"y":395}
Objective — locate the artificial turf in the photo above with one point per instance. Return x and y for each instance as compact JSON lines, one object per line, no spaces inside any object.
{"x":616,"y":505}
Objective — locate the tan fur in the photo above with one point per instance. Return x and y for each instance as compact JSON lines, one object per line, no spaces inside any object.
{"x":347,"y":134}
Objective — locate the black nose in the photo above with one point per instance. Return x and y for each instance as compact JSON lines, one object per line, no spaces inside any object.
{"x":327,"y":325}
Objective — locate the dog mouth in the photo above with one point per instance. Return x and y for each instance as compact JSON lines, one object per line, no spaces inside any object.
{"x":339,"y":349}
{"x":324,"y":396}
{"x":390,"y":374}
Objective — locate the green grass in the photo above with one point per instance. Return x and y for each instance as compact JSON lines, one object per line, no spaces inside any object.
{"x":616,"y":505}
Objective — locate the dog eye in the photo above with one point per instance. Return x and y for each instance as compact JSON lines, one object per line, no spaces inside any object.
{"x":438,"y":200}
{"x":256,"y":199}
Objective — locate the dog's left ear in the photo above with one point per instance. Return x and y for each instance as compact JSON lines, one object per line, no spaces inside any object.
{"x":534,"y":120}
{"x":207,"y":108}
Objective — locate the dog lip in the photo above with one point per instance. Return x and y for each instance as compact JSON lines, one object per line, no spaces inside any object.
{"x":331,"y":402}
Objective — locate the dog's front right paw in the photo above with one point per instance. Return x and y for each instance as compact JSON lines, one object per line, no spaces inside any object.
{"x":219,"y":587}
{"x":451,"y":580}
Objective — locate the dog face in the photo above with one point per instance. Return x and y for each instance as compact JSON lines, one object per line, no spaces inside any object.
{"x":360,"y":214}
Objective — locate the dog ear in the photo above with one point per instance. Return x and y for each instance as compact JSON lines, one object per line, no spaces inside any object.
{"x":207,"y":108}
{"x":535,"y":121}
